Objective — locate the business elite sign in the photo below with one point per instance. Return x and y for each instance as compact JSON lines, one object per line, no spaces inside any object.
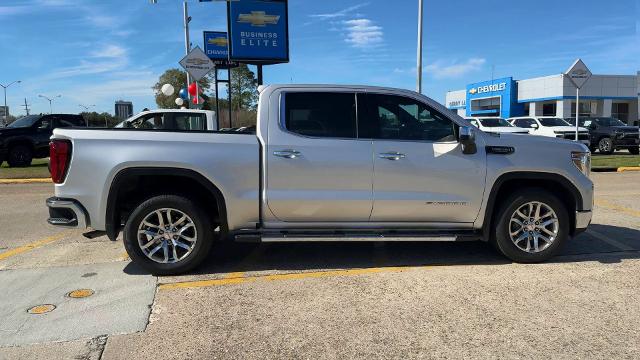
{"x":258,"y":31}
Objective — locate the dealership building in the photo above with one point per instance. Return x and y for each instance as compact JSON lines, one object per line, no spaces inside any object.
{"x":553,"y":95}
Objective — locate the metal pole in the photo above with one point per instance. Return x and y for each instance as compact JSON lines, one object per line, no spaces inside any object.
{"x":577,"y":110}
{"x":217,"y":99}
{"x":229,"y":88}
{"x":187,"y":43}
{"x":4,"y":117}
{"x":259,"y":74}
{"x":50,"y":106}
{"x":419,"y":61}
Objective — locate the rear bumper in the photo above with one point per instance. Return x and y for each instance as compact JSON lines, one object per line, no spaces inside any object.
{"x":583,"y":219}
{"x":67,"y":213}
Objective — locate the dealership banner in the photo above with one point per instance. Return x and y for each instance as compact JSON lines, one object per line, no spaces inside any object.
{"x":216,"y":46}
{"x":258,"y":31}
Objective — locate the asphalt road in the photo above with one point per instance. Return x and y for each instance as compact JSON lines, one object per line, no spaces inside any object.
{"x":369,"y":300}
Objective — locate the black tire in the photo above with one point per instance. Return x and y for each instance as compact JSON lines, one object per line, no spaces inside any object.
{"x":202,"y":224}
{"x":503,"y":241}
{"x":605,"y":146}
{"x":20,"y":156}
{"x":634,"y":150}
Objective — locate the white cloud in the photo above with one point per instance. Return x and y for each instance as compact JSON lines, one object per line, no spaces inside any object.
{"x":362,"y":33}
{"x":340,"y":13}
{"x":440,"y":70}
{"x":111,"y":52}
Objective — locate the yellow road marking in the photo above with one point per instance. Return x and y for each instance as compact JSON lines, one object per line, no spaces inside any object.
{"x":611,"y":206}
{"x":26,"y":181}
{"x":31,"y":246}
{"x":629,"y":168}
{"x":234,"y":275}
{"x":277,"y":277}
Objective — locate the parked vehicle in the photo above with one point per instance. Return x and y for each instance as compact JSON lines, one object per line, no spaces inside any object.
{"x":327,"y":163}
{"x":172,"y":119}
{"x":551,"y":127}
{"x":610,"y":134}
{"x":27,"y":138}
{"x":495,"y":125}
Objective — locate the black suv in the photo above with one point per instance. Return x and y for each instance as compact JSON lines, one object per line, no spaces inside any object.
{"x":28,"y":137}
{"x":610,"y":134}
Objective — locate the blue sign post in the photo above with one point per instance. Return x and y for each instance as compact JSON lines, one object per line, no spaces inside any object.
{"x":258,"y":31}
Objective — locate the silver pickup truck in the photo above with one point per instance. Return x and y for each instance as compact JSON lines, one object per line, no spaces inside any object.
{"x":325,"y":163}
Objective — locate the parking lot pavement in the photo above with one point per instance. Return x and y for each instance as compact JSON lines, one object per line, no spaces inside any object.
{"x":349,"y":300}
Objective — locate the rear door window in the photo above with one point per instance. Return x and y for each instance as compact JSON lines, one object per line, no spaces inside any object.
{"x":188,"y":121}
{"x":321,"y":114}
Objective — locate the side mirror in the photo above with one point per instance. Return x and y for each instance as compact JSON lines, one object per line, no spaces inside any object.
{"x":467,"y":138}
{"x":534,"y":126}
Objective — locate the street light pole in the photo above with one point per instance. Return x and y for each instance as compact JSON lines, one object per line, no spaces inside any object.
{"x":419,"y":60}
{"x":50,"y":101}
{"x":6,"y":111}
{"x":187,"y":43}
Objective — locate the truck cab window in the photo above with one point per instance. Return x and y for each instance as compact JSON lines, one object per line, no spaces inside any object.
{"x":400,"y":118}
{"x":321,"y":114}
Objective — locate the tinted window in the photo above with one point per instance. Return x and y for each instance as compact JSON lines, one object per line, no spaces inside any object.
{"x":321,"y":114}
{"x":401,"y":118}
{"x":524,"y":123}
{"x":68,"y":121}
{"x":26,"y":121}
{"x":44,"y":123}
{"x":193,"y":121}
{"x":495,"y":122}
{"x":148,"y":121}
{"x":553,"y":122}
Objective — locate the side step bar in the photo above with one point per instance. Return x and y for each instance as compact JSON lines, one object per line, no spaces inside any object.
{"x":353,"y":237}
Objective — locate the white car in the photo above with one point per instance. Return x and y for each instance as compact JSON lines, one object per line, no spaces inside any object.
{"x":172,"y":119}
{"x":551,"y":127}
{"x":495,"y":125}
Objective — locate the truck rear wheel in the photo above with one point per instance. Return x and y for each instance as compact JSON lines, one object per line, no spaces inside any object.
{"x":20,"y":156}
{"x":532,"y":226}
{"x":168,"y":235}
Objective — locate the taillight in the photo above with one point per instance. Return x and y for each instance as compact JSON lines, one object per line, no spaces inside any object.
{"x":59,"y":157}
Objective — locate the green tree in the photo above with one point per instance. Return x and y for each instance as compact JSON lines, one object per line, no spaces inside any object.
{"x":244,"y":88}
{"x":178,"y":79}
{"x":95,"y":119}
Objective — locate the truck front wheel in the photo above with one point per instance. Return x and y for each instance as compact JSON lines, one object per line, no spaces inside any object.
{"x":168,"y":235}
{"x":532,"y":226}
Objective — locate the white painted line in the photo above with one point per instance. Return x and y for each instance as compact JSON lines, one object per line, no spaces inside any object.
{"x":614,"y":243}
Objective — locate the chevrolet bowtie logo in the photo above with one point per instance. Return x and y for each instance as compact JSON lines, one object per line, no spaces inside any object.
{"x":258,"y":18}
{"x":219,"y":41}
{"x":196,"y":62}
{"x":473,"y":91}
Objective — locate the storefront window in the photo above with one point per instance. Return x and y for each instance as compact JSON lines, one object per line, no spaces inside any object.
{"x":585,"y":109}
{"x":620,"y":111}
{"x":549,"y":109}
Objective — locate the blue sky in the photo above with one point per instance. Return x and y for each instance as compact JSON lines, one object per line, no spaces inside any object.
{"x":95,"y":52}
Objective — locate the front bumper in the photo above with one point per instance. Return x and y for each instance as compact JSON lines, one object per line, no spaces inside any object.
{"x":67,"y":213}
{"x":583,"y":219}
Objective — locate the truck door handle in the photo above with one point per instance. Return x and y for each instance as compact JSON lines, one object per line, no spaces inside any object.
{"x":392,"y":155}
{"x":287,"y":154}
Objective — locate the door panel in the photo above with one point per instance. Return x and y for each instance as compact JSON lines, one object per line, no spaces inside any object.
{"x":317,"y":171}
{"x":420,"y":172}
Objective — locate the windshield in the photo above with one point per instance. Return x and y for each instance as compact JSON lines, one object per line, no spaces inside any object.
{"x":495,"y":122}
{"x":24,"y":122}
{"x":609,"y":122}
{"x":553,"y":122}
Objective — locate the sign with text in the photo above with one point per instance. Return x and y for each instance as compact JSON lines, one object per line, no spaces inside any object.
{"x":578,"y":73}
{"x":197,"y":63}
{"x":216,"y":46}
{"x":258,"y":31}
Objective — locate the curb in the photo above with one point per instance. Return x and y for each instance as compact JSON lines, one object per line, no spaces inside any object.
{"x":629,"y":168}
{"x":26,"y":181}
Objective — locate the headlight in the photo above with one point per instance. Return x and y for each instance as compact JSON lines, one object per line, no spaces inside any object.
{"x":582,"y":160}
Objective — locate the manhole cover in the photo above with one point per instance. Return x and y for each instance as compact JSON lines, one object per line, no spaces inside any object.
{"x":41,"y":309}
{"x":80,"y":293}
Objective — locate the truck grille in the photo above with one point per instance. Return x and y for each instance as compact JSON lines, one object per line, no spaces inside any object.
{"x":572,"y":135}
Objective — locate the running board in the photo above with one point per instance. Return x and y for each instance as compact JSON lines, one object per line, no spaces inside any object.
{"x":354,"y":237}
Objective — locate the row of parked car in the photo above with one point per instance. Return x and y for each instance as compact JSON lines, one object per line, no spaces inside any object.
{"x":603,"y":134}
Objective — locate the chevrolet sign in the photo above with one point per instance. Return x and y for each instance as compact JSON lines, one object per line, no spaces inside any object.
{"x":258,"y":18}
{"x":488,"y":88}
{"x":258,"y":32}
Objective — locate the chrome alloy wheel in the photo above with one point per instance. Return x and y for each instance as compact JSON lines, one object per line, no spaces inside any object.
{"x":167,"y":235}
{"x":533,"y":227}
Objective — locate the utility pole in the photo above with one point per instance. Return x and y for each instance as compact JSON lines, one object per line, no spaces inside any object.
{"x":26,"y":106}
{"x":6,"y":110}
{"x":419,"y":60}
{"x":50,"y":101}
